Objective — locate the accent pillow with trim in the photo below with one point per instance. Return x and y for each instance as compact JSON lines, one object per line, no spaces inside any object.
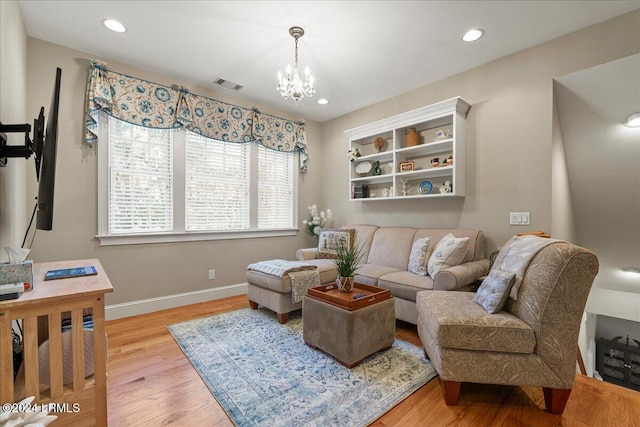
{"x":329,"y":240}
{"x":493,"y":293}
{"x":419,"y":256}
{"x":449,"y":251}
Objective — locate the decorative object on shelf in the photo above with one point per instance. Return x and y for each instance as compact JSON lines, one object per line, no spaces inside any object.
{"x":385,"y":192}
{"x":406,"y":166}
{"x":360,"y":191}
{"x":443,"y":133}
{"x":413,"y":138}
{"x":348,"y":258}
{"x":291,"y":85}
{"x":449,"y":161}
{"x":435,"y":162}
{"x":379,"y":143}
{"x":446,"y":187}
{"x":405,"y":186}
{"x":391,"y":191}
{"x":317,"y":221}
{"x":376,"y":169}
{"x":426,"y":187}
{"x":353,"y":153}
{"x":363,"y":168}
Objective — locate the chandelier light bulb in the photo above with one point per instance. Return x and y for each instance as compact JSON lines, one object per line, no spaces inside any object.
{"x":291,"y":85}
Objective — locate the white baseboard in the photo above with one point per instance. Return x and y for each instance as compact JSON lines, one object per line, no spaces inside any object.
{"x":133,"y":308}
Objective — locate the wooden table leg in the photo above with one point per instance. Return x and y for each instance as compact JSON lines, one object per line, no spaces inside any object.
{"x":6,"y":359}
{"x":99,"y":354}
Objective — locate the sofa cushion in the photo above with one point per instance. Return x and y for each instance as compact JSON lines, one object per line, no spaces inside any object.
{"x":329,"y":240}
{"x":368,"y":274}
{"x":455,"y":321}
{"x":419,"y":256}
{"x":449,"y":252}
{"x":364,"y":237}
{"x":494,"y":290}
{"x":404,"y":284}
{"x":391,"y":247}
{"x":476,"y":249}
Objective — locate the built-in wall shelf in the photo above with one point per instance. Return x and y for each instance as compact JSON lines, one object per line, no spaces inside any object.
{"x":409,"y":171}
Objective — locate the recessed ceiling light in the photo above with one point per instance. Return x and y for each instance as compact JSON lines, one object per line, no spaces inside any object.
{"x":631,"y":270}
{"x":473,"y":35}
{"x":114,"y":25}
{"x":633,"y":121}
{"x":322,"y":101}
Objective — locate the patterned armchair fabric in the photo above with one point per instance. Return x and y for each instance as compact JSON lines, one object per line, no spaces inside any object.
{"x":532,"y":341}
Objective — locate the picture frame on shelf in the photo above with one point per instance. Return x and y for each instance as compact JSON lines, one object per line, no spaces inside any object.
{"x":406,"y":166}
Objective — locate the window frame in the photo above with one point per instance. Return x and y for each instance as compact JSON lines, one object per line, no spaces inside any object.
{"x":179,"y":190}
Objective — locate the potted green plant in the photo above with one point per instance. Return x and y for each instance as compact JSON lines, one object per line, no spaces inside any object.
{"x":346,"y":263}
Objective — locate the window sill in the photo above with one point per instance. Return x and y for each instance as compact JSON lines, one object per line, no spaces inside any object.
{"x":138,"y":239}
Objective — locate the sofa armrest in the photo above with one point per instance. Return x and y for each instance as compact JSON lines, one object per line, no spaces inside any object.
{"x":459,"y":276}
{"x":306,"y":253}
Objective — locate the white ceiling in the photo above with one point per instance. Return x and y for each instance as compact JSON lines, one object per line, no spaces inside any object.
{"x":360,"y":52}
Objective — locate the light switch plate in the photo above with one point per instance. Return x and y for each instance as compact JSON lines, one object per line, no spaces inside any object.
{"x":520,"y":218}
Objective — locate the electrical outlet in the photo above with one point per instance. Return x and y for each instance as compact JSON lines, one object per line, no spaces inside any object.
{"x":520,"y":218}
{"x":212,"y":274}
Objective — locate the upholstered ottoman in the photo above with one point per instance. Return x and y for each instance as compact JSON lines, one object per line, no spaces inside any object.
{"x":349,"y":336}
{"x":273,"y":289}
{"x":272,"y":292}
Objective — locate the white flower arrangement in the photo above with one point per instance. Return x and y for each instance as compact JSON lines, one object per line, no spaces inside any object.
{"x":317,"y":221}
{"x":354,"y":153}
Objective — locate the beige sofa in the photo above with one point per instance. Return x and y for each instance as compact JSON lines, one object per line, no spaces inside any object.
{"x":385,"y":260}
{"x":532,"y":341}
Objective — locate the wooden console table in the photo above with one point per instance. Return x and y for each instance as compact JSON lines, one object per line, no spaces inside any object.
{"x":52,"y":299}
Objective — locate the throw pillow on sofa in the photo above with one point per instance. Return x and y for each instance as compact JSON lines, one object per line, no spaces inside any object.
{"x":419,"y":256}
{"x":329,"y":240}
{"x":449,"y":252}
{"x":494,"y":290}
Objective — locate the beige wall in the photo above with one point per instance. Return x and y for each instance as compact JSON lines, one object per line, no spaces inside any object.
{"x":13,"y":87}
{"x":138,"y":271}
{"x":509,"y":136}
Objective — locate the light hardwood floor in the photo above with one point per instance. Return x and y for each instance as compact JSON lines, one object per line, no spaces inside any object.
{"x":151,"y":383}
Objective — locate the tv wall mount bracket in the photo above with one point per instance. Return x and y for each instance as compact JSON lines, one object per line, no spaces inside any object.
{"x":7,"y":151}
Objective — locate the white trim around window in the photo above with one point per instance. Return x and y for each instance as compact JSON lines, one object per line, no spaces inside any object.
{"x":179,"y":234}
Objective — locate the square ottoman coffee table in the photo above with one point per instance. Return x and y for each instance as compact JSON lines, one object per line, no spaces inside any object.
{"x":349,"y":328}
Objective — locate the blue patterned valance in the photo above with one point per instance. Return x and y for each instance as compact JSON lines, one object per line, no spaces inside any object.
{"x":153,"y":105}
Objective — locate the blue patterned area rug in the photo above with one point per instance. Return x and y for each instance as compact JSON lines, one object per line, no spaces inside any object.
{"x":263,"y":374}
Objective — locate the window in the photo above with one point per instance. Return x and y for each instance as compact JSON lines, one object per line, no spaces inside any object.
{"x":140,"y":179}
{"x":217,"y":184}
{"x":159,"y":185}
{"x":275,"y":189}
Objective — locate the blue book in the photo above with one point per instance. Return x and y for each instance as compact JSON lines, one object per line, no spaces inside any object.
{"x":65,"y":273}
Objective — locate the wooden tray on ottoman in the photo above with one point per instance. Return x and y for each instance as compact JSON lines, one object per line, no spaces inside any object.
{"x":331,"y":295}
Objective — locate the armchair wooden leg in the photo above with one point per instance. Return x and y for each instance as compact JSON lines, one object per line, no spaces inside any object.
{"x":450,"y":391}
{"x":282,"y":318}
{"x":253,"y":305}
{"x":556,"y":399}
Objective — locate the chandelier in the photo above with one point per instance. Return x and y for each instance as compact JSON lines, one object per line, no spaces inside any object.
{"x":290,"y":84}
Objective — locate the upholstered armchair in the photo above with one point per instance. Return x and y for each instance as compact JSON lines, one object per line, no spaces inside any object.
{"x":531,"y":341}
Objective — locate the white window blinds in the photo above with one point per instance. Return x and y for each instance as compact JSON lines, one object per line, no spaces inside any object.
{"x":275,"y":189}
{"x":140,"y":179}
{"x":217,"y":184}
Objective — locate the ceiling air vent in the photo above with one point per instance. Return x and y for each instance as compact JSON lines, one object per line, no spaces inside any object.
{"x":227,"y":84}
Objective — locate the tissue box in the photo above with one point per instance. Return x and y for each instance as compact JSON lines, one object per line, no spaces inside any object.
{"x":16,"y":273}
